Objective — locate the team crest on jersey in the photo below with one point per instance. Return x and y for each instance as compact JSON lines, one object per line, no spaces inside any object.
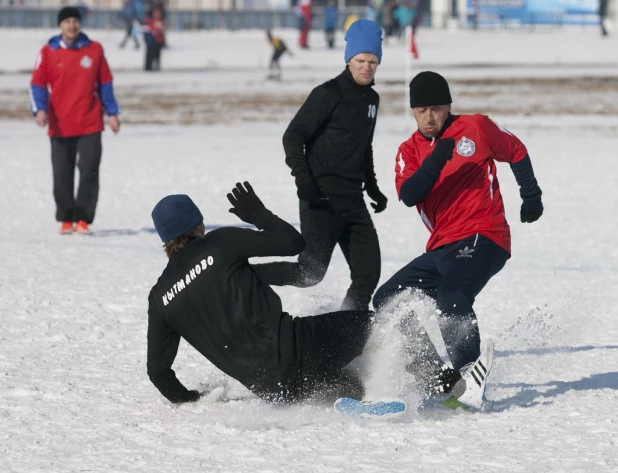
{"x":466,"y":147}
{"x":86,"y":62}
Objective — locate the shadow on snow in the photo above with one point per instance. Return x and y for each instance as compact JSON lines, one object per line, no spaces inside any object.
{"x":151,"y":230}
{"x":533,"y":395}
{"x":549,"y":350}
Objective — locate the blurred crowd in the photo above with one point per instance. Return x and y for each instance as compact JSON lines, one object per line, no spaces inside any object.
{"x":393,"y":16}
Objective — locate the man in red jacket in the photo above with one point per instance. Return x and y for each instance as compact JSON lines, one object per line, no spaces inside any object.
{"x":447,"y":170}
{"x":71,"y":84}
{"x":154,"y":37}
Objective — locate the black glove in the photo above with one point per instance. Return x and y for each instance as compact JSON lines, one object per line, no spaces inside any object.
{"x":443,"y":151}
{"x":374,"y":194}
{"x":309,"y":192}
{"x":531,"y":210}
{"x":246,"y":204}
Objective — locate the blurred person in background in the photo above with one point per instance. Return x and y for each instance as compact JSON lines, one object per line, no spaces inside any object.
{"x":388,"y":20}
{"x":603,"y":18}
{"x":371,"y":12}
{"x":154,"y":37}
{"x":404,"y":16}
{"x":328,"y":146}
{"x":447,"y":169}
{"x":157,"y":4}
{"x":349,"y":21}
{"x":303,"y":10}
{"x":162,"y":6}
{"x":279,"y":48}
{"x":211,"y":296}
{"x":71,"y":86}
{"x":132,"y":14}
{"x":84,"y":11}
{"x":330,"y":23}
{"x":417,"y":17}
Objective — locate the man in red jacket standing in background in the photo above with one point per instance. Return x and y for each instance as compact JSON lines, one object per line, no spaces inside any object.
{"x":447,"y":170}
{"x":71,"y":84}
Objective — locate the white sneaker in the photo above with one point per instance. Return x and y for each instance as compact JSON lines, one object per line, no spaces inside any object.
{"x":470,"y":390}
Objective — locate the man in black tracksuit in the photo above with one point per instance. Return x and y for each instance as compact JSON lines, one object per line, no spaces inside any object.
{"x":211,"y":296}
{"x":328,"y":146}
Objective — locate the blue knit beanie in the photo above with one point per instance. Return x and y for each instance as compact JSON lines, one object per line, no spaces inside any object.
{"x":175,"y":215}
{"x":363,"y":36}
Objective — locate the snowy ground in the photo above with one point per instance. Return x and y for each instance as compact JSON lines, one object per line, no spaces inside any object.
{"x":74,"y":395}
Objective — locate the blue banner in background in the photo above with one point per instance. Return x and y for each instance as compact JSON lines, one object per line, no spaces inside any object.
{"x":533,"y":12}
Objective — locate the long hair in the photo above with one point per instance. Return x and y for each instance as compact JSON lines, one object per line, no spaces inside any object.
{"x":176,"y":244}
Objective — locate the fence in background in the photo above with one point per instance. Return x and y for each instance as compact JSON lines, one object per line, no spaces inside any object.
{"x":478,"y":14}
{"x":514,"y":13}
{"x":176,"y":19}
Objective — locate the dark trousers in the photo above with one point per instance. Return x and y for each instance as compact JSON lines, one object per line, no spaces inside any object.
{"x":64,"y":157}
{"x":153,"y":56}
{"x":129,"y":34}
{"x":330,"y":37}
{"x":453,"y":275}
{"x":274,"y":60}
{"x":603,"y":4}
{"x":323,"y":229}
{"x":320,"y":347}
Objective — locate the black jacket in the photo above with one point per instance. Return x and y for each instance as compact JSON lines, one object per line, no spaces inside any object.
{"x":209,"y":295}
{"x":330,"y":139}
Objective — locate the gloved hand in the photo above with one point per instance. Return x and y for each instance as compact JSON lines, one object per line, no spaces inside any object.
{"x":374,"y":194}
{"x":443,"y":151}
{"x":309,"y":192}
{"x":531,"y":210}
{"x":245,"y":203}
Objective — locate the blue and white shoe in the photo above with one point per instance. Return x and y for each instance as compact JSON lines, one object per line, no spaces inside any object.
{"x":380,"y":409}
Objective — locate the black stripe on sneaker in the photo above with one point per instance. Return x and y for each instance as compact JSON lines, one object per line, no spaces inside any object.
{"x":476,"y":368}
{"x":475,"y":378}
{"x":482,"y":366}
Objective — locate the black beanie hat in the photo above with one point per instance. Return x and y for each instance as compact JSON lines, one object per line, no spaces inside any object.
{"x":68,"y":12}
{"x":428,"y":89}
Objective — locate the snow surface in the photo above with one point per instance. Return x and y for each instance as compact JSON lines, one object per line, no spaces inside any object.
{"x":74,"y":395}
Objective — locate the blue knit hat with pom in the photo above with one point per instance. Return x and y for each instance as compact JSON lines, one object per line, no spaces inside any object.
{"x":363,"y":36}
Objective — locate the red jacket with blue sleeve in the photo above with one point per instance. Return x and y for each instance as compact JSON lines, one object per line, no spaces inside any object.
{"x":463,"y":198}
{"x":73,"y":84}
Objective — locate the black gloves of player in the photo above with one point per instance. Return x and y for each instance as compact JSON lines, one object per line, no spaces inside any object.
{"x":443,"y":151}
{"x":529,"y":190}
{"x":374,"y":194}
{"x":309,"y":192}
{"x":531,"y":210}
{"x":246,"y":204}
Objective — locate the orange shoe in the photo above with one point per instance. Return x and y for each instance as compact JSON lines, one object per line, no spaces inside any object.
{"x":82,"y":227}
{"x":66,"y":228}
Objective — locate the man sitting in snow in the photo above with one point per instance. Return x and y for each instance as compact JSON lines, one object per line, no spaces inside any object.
{"x":210,"y":295}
